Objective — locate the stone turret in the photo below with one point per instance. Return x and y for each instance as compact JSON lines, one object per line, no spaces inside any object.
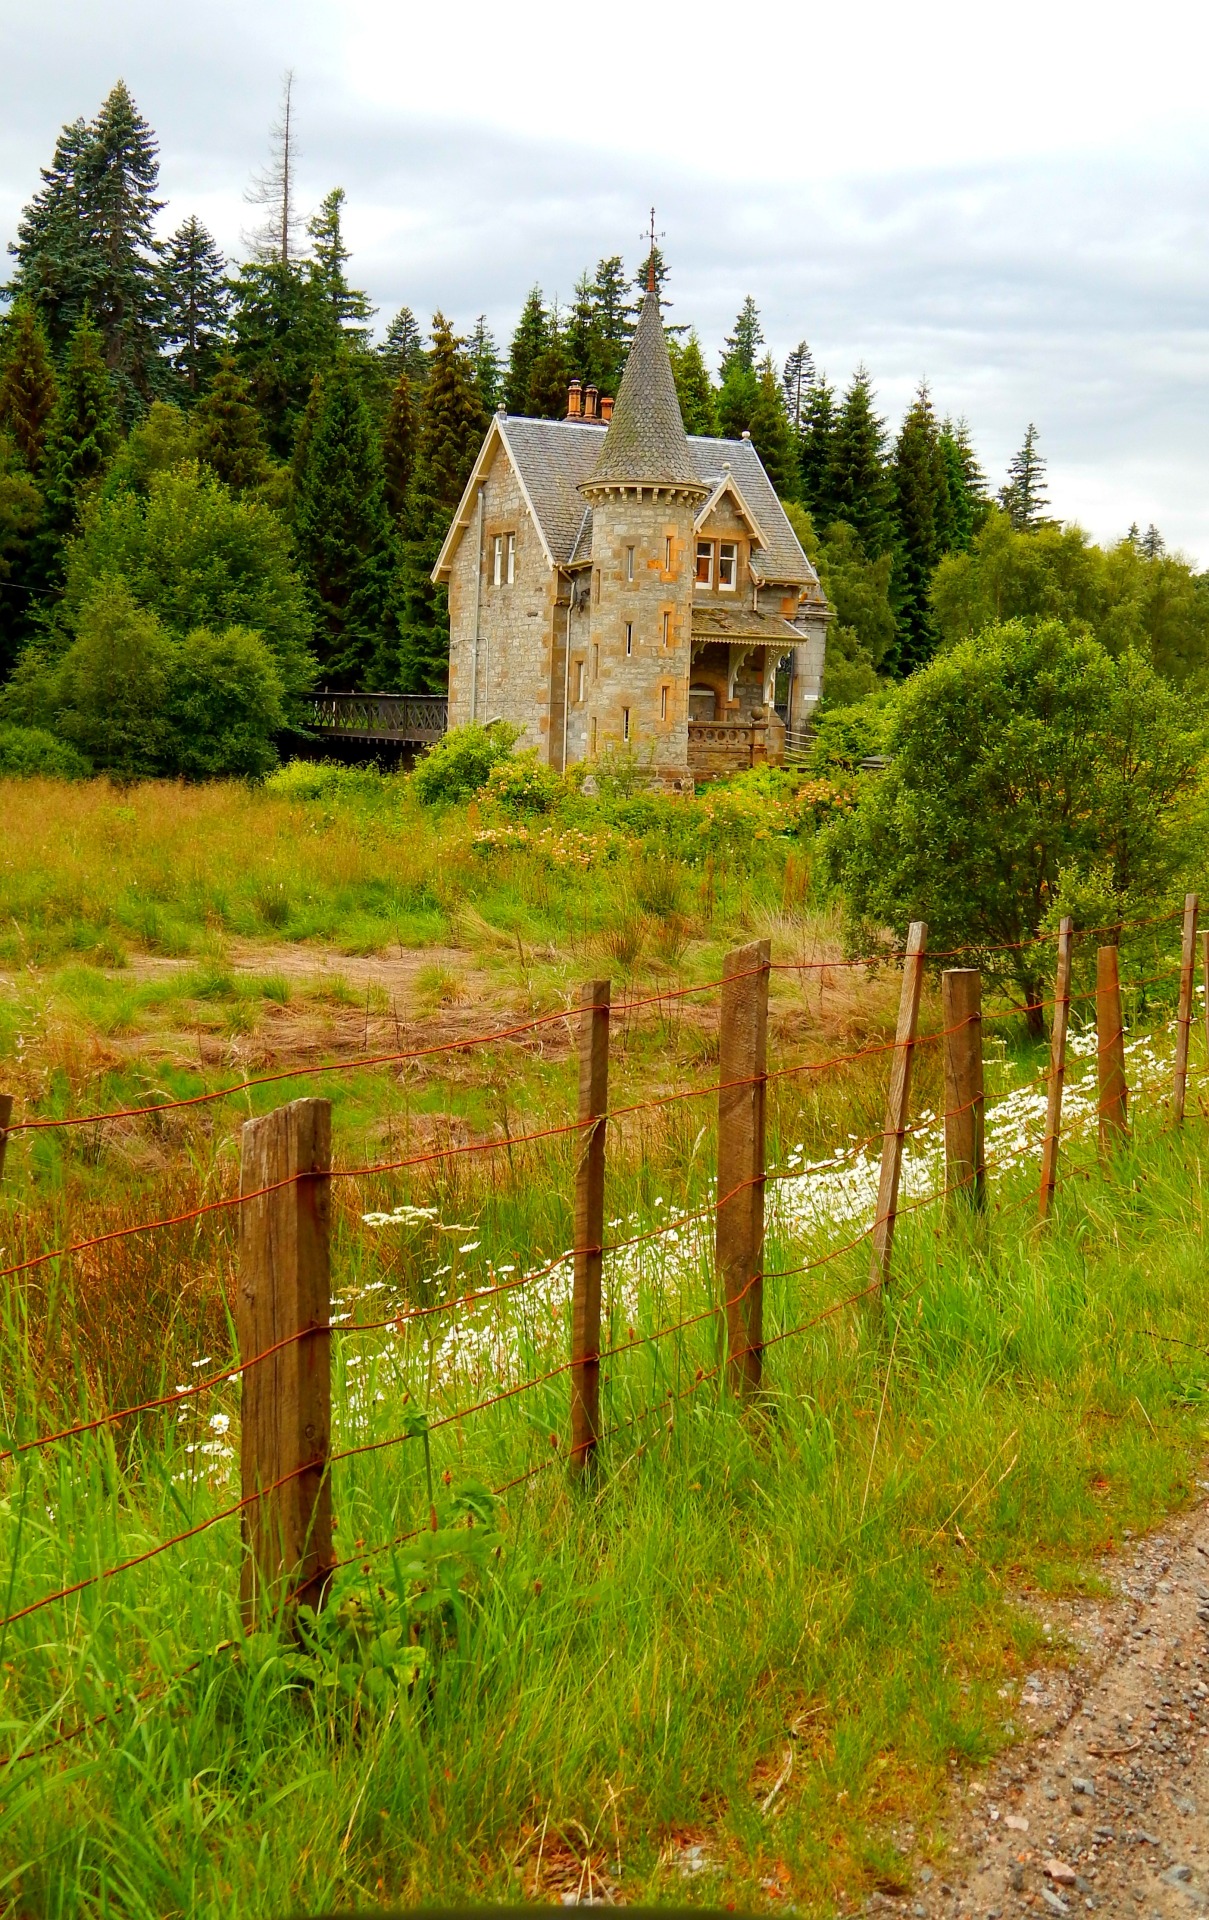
{"x":644,"y":492}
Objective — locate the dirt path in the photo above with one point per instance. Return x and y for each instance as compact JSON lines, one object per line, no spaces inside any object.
{"x":1106,"y":1808}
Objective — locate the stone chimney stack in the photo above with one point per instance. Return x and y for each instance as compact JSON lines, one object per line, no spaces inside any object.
{"x":575,"y":401}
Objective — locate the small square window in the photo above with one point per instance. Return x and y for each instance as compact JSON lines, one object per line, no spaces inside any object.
{"x":625,"y":723}
{"x":510,"y":555}
{"x":497,"y":560}
{"x":728,"y":566}
{"x":705,"y":563}
{"x":629,"y":637}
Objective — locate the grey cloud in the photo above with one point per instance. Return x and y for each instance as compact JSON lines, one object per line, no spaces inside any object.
{"x":1071,"y":292}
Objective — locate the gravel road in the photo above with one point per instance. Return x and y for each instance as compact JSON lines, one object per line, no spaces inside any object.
{"x":1103,"y":1806}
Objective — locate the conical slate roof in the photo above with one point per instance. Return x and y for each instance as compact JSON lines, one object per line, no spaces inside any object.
{"x":646,"y":442}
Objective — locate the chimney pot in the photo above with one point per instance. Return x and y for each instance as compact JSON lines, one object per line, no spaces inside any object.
{"x":591,"y":396}
{"x":606,"y":406}
{"x":575,"y":404}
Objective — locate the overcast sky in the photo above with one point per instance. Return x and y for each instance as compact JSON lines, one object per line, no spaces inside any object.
{"x":1010,"y":203}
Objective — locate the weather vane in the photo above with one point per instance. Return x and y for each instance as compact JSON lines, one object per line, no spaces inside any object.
{"x":653,"y":239}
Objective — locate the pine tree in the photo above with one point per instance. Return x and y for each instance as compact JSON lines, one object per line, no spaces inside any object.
{"x":527,"y":343}
{"x":122,"y":171}
{"x":579,"y":335}
{"x":485,"y":364}
{"x":399,"y":446}
{"x":276,"y":238}
{"x":797,"y":378}
{"x":860,"y":481}
{"x":305,"y":434}
{"x":1022,"y":498}
{"x":403,"y":349}
{"x":345,"y":310}
{"x":196,"y":302}
{"x":613,"y":322}
{"x":227,"y":433}
{"x":21,"y":510}
{"x":744,"y":343}
{"x":87,"y":240}
{"x":738,"y":398}
{"x":550,"y":377}
{"x":344,"y":539}
{"x":1152,"y":543}
{"x":27,"y":383}
{"x":55,"y":264}
{"x":452,"y":424}
{"x":81,"y":434}
{"x":771,"y":433}
{"x":816,"y":454}
{"x":281,"y":339}
{"x":965,"y":490}
{"x":921,"y":504}
{"x":694,"y":388}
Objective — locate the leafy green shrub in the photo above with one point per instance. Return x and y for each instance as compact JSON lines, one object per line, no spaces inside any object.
{"x":137,"y":702}
{"x":460,"y":765}
{"x":521,"y":784}
{"x":109,"y":692}
{"x":225,"y":703}
{"x":1018,"y":762}
{"x":844,"y":736}
{"x":325,"y":780}
{"x":25,"y":751}
{"x":195,"y":555}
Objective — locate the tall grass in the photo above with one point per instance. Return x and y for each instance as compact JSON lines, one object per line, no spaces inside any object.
{"x":834,"y":1577}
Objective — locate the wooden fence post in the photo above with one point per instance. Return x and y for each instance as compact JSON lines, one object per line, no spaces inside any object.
{"x":743,"y":1063}
{"x":6,"y":1114}
{"x":1110,"y":1049}
{"x":897,"y":1102}
{"x":285,"y":1290}
{"x":1183,"y":1023}
{"x":594,"y":1002}
{"x":965,"y":1147}
{"x":1057,"y":1068}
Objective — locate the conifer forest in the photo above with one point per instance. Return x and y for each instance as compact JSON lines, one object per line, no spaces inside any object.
{"x":237,"y":475}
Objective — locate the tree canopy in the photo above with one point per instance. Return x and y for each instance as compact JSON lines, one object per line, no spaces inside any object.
{"x":1022,"y":764}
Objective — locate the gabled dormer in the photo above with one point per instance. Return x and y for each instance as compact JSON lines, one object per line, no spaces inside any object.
{"x":728,"y":540}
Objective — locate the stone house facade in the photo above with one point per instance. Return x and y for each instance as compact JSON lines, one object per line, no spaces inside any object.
{"x":616,"y":585}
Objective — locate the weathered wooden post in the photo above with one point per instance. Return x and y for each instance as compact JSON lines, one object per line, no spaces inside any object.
{"x":1183,"y":1021}
{"x":594,"y":1003}
{"x":6,"y":1114}
{"x":284,"y":1296}
{"x":1057,"y":1068}
{"x":743,"y":1064}
{"x":965,"y":1147}
{"x":1110,"y":1049}
{"x":897,"y":1102}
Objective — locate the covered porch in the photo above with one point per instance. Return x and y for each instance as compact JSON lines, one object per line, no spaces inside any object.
{"x":732,"y":719}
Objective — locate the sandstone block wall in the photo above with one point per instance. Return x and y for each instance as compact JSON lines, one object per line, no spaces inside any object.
{"x":650,"y":680}
{"x":516,"y":623}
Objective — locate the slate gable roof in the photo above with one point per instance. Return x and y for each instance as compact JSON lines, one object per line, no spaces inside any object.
{"x":555,"y":457}
{"x":645,"y":441}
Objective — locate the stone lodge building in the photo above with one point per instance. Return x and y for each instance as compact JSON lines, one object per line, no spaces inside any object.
{"x":614,"y":584}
